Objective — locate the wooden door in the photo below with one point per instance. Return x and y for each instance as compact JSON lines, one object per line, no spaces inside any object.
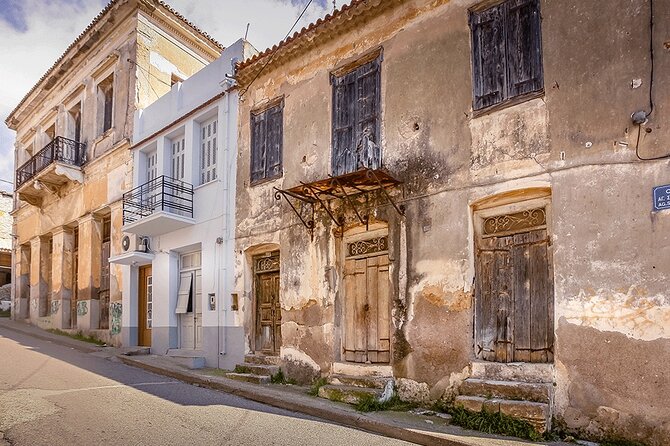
{"x":514,"y":298}
{"x":268,"y":313}
{"x":145,"y":318}
{"x":367,"y":310}
{"x":191,"y":321}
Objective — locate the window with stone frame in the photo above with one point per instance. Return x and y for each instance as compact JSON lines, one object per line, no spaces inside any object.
{"x":106,"y":104}
{"x":506,"y":52}
{"x":356,"y":118}
{"x":267,"y":134}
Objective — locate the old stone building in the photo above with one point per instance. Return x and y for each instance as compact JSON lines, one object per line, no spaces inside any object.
{"x":72,"y":161}
{"x":453,"y":196}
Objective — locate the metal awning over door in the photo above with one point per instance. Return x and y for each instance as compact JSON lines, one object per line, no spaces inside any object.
{"x":348,"y":188}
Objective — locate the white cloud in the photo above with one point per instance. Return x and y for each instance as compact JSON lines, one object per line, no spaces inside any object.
{"x":37,"y":33}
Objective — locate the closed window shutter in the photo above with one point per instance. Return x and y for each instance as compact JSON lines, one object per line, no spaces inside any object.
{"x":367,"y":115}
{"x":273,"y":144}
{"x":184,"y":293}
{"x":208,"y":155}
{"x":488,"y":56}
{"x":258,"y":131}
{"x":344,"y":116}
{"x":524,"y":47}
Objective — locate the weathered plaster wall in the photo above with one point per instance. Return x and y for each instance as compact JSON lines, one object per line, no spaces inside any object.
{"x":609,"y":251}
{"x":160,"y":56}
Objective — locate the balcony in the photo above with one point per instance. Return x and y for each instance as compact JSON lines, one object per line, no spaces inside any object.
{"x":158,"y":206}
{"x":56,"y":165}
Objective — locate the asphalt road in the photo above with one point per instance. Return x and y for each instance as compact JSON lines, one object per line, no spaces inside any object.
{"x":55,"y":395}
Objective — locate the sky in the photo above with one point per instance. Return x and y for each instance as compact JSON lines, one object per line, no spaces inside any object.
{"x":34,"y":33}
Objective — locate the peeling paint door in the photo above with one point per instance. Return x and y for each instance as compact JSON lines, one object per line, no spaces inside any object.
{"x":367,"y":308}
{"x":514,"y":298}
{"x":268,"y":308}
{"x":145,"y":303}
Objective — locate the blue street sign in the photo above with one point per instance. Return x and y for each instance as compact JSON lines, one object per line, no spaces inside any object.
{"x":662,"y":198}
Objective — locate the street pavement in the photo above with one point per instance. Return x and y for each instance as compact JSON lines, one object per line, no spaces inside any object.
{"x":52,"y":394}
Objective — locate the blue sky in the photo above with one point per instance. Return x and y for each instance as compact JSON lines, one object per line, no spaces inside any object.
{"x":34,"y":33}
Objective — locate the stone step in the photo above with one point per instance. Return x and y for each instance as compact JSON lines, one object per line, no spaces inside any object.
{"x":373,"y":382}
{"x":257,"y":369}
{"x":347,"y":394}
{"x":249,"y":377}
{"x":537,"y":414}
{"x":191,"y":359}
{"x":262,"y":359}
{"x":509,"y":390}
{"x":513,"y":371}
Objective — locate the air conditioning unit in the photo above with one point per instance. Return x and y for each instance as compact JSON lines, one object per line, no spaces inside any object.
{"x":134,"y":242}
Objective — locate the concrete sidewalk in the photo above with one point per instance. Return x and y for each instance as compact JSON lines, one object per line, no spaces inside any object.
{"x":421,"y":429}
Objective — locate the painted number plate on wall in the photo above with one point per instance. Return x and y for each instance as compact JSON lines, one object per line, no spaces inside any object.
{"x":662,"y":197}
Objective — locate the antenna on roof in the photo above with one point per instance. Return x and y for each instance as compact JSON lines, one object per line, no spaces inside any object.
{"x":246,"y":32}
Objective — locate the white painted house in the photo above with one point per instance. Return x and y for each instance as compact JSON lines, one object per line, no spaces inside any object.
{"x":179,"y":221}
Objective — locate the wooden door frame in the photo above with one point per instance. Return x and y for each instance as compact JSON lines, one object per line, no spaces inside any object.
{"x":141,"y":313}
{"x":508,"y":203}
{"x":373,"y":230}
{"x":254,"y":289}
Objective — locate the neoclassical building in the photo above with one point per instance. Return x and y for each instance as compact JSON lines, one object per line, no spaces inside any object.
{"x":72,"y":158}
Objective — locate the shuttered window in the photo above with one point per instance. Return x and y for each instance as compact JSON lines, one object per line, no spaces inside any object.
{"x":356,"y":119}
{"x":178,"y":158}
{"x":506,"y":52}
{"x":267,"y":134}
{"x":208,"y":152}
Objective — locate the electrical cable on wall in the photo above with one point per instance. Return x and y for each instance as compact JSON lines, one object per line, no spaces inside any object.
{"x":641,"y":117}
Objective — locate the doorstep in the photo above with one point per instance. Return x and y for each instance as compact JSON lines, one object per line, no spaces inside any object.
{"x":419,"y":429}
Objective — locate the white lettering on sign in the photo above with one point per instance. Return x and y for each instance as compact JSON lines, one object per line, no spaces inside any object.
{"x":661,"y":197}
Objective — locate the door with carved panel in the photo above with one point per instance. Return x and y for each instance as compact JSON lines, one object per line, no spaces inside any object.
{"x":367,"y":299}
{"x":268,"y":308}
{"x":514,"y":294}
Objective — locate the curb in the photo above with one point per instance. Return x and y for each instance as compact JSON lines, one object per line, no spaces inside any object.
{"x":290,"y":402}
{"x":56,"y":339}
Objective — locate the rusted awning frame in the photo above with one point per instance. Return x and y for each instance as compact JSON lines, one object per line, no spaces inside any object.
{"x":313,"y":194}
{"x":309,"y":224}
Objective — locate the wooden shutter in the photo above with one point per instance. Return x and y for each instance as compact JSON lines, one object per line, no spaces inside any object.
{"x":488,"y":56}
{"x":533,"y":298}
{"x":367,"y":115}
{"x":273,"y":143}
{"x":344,"y":95}
{"x":524,"y":47}
{"x":257,"y":146}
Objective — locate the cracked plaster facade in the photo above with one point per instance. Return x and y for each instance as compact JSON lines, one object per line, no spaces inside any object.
{"x":576,"y":142}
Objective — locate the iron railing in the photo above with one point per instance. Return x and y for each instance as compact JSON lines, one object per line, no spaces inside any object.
{"x":160,"y":194}
{"x":61,"y":150}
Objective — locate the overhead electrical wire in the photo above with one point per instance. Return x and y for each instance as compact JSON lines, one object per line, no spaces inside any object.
{"x":277,"y":49}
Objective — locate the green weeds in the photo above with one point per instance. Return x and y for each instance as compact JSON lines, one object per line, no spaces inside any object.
{"x":79,"y":336}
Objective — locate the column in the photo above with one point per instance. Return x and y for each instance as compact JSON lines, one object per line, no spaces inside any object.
{"x":39,"y":252}
{"x":116,"y":272}
{"x":88,"y":276}
{"x":61,"y":276}
{"x":21,"y":279}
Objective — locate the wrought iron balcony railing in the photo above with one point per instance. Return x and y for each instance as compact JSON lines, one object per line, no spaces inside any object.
{"x":160,"y":194}
{"x":62,"y":150}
